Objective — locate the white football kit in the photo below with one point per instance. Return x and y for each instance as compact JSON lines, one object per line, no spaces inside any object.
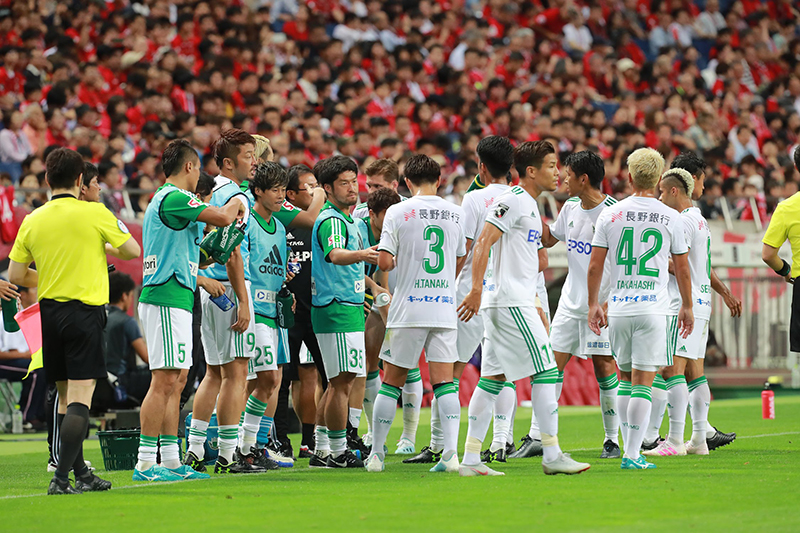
{"x":640,"y":233}
{"x":424,"y":235}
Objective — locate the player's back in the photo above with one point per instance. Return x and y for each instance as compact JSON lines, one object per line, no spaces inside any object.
{"x":698,"y":239}
{"x":425,"y":236}
{"x":476,"y":206}
{"x":640,"y":234}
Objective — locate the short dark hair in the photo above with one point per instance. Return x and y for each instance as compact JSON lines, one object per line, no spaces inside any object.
{"x":422,"y":169}
{"x":589,"y":163}
{"x":268,"y":175}
{"x":229,"y":143}
{"x":531,"y":154}
{"x":294,"y":174}
{"x":63,"y":168}
{"x":797,"y":158}
{"x":175,"y":155}
{"x":328,"y":170}
{"x":205,"y":184}
{"x":497,"y":154}
{"x":386,"y":168}
{"x":119,"y":284}
{"x":89,"y":173}
{"x":382,"y":199}
{"x":690,"y":162}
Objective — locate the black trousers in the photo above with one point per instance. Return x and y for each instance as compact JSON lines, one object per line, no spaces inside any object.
{"x":794,"y":325}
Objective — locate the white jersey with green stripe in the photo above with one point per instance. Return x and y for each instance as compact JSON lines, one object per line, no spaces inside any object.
{"x":476,"y":206}
{"x":640,"y":233}
{"x":512,"y":276}
{"x":575,"y":227}
{"x":698,"y":239}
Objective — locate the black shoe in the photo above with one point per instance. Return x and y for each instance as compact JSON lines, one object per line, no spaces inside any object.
{"x":193,"y":462}
{"x":257,"y":457}
{"x":489,"y":456}
{"x":720,"y":439}
{"x":345,"y":460}
{"x":305,"y":453}
{"x":529,"y":448}
{"x":91,"y":483}
{"x":56,"y":487}
{"x":286,"y":450}
{"x":651,"y":445}
{"x":610,"y":450}
{"x":425,"y":456}
{"x":355,"y":444}
{"x":510,"y":448}
{"x":318,"y":462}
{"x":237,"y":466}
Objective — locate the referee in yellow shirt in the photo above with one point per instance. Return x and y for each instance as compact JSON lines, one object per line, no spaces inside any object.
{"x":68,"y":240}
{"x":785,"y":224}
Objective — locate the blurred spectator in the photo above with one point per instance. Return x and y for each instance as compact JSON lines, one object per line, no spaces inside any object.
{"x":14,"y":145}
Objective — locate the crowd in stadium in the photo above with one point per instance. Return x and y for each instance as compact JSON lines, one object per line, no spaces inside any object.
{"x":117,"y":80}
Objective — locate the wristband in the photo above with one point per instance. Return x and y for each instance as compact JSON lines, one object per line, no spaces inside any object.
{"x":785,"y":270}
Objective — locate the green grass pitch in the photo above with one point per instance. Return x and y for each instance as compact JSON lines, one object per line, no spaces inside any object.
{"x":751,"y":485}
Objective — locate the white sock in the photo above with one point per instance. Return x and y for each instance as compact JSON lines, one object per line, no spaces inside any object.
{"x":170,"y":453}
{"x":383,"y":415}
{"x":545,"y":406}
{"x":658,"y":410}
{"x":534,"y":432}
{"x":437,"y":436}
{"x":227,"y":441}
{"x":510,"y":435}
{"x":412,"y":402}
{"x":322,"y":446}
{"x":559,"y":385}
{"x":449,"y":414}
{"x":623,"y":400}
{"x":354,"y":417}
{"x":197,"y":437}
{"x":503,"y":411}
{"x":370,"y":393}
{"x":699,"y":402}
{"x":481,"y":405}
{"x":609,"y":387}
{"x":148,"y":450}
{"x":677,"y":402}
{"x":638,"y":415}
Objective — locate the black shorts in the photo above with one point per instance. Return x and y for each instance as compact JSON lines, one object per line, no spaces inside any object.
{"x":303,"y":332}
{"x":73,"y":343}
{"x":794,"y":324}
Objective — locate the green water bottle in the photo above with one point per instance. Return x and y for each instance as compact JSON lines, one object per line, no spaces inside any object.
{"x":9,"y":310}
{"x":283,"y":302}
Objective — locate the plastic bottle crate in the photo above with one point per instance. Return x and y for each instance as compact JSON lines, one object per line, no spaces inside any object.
{"x":120,"y":448}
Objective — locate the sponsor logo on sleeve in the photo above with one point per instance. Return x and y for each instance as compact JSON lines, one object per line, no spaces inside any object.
{"x":500,"y":211}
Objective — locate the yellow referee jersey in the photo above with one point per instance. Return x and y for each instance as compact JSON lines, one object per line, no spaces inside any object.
{"x":66,"y":239}
{"x":785,"y":224}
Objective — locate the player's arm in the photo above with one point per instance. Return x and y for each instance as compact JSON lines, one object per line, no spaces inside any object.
{"x":332,"y":235}
{"x":684,"y":278}
{"x":305,"y":219}
{"x":20,"y":274}
{"x":776,"y":234}
{"x":480,"y":260}
{"x":221,"y":216}
{"x":130,"y":249}
{"x":733,"y":303}
{"x":140,"y":347}
{"x":594,"y":278}
{"x":463,"y":259}
{"x":548,"y":239}
{"x":544,"y":259}
{"x":14,"y":354}
{"x":211,"y":286}
{"x":385,"y":261}
{"x":235,"y":269}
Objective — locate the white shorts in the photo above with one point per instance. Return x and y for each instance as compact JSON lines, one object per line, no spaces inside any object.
{"x":406,"y":344}
{"x":694,"y":346}
{"x":304,"y":356}
{"x":220,"y":343}
{"x":639,"y":342}
{"x":168,"y":335}
{"x":342,"y":353}
{"x":573,"y":336}
{"x":470,"y":334}
{"x":516,"y":343}
{"x":266,"y":357}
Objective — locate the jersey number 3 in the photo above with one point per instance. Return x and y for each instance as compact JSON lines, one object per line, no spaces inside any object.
{"x":435,"y":248}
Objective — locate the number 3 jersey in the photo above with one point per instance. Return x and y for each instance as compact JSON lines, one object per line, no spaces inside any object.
{"x":640,"y":233}
{"x":575,"y":227}
{"x":698,"y":239}
{"x":425,"y":236}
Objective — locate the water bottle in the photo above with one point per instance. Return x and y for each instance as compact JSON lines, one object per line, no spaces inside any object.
{"x":294,"y":265}
{"x":16,"y":421}
{"x":767,"y":403}
{"x":284,"y":302}
{"x":9,"y":310}
{"x":382,"y":299}
{"x":223,"y":302}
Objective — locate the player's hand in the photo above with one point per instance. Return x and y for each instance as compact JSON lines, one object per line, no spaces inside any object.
{"x":734,"y":304}
{"x":686,"y":321}
{"x":242,"y":319}
{"x":370,"y":255}
{"x":294,"y":303}
{"x":789,"y":279}
{"x":211,"y":286}
{"x":8,"y":291}
{"x":469,"y":306}
{"x":597,"y":318}
{"x":671,"y":267}
{"x":289,"y":275}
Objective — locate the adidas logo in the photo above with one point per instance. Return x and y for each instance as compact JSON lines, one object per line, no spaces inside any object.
{"x":682,"y":348}
{"x":408,"y":405}
{"x":273,"y":265}
{"x":571,"y":224}
{"x":610,"y":412}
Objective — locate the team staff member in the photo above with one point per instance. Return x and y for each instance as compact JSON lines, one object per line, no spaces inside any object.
{"x":68,"y":240}
{"x":785,"y":224}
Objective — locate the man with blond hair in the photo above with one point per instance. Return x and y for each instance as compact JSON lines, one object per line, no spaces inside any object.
{"x":640,"y":233}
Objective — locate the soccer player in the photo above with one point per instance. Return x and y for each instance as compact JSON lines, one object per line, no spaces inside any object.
{"x":268,"y":260}
{"x":689,"y":354}
{"x":515,"y":343}
{"x":228,"y":336}
{"x":422,"y":238}
{"x":570,"y":334}
{"x":640,"y":233}
{"x":337,"y":289}
{"x":171,"y":232}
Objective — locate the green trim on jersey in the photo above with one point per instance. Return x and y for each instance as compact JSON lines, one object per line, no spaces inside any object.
{"x":516,"y":189}
{"x":338,"y":318}
{"x":261,"y":319}
{"x":270,"y":227}
{"x":169,"y":294}
{"x":476,"y":184}
{"x":179,"y":208}
{"x":370,"y":236}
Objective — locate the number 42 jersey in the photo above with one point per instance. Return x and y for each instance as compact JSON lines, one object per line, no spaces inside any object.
{"x":640,"y":234}
{"x":425,"y":236}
